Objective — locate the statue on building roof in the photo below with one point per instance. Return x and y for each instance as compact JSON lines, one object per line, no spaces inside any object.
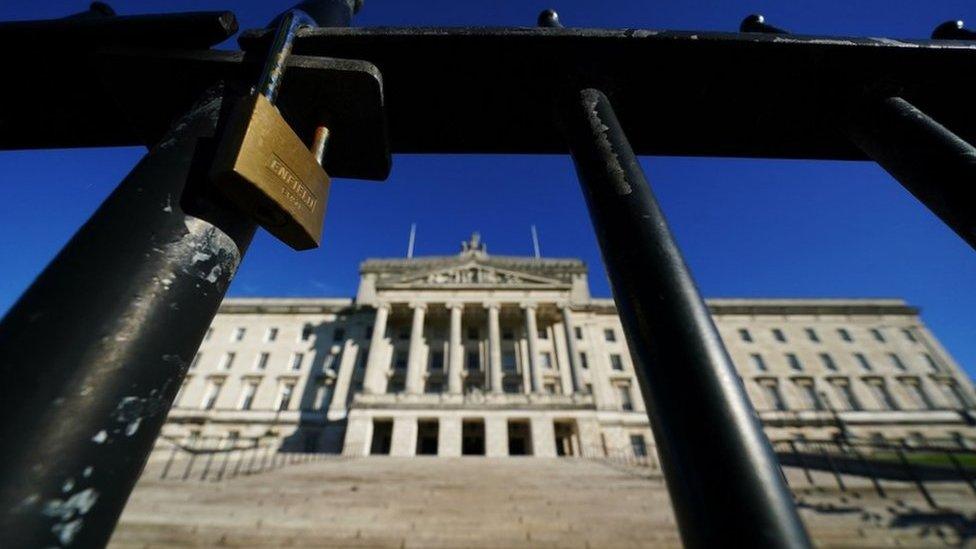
{"x":474,"y":244}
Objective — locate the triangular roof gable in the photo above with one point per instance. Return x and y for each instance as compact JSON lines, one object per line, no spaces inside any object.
{"x":472,"y":273}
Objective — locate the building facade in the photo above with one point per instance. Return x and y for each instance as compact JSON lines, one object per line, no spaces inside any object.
{"x":475,"y":354}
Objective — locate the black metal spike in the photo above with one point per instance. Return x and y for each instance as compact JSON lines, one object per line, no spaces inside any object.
{"x":953,"y":30}
{"x":757,"y":23}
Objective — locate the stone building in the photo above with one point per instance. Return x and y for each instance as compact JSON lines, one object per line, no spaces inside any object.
{"x":497,"y":355}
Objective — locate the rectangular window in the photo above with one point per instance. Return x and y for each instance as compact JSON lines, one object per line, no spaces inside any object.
{"x":284,"y":398}
{"x":774,"y":398}
{"x":878,"y":336}
{"x":863,"y":361}
{"x":512,"y":386}
{"x":271,"y":335}
{"x":812,"y":335}
{"x":626,"y":401}
{"x":909,"y":335}
{"x":437,"y":360}
{"x":828,"y":362}
{"x":239,"y":334}
{"x":472,"y":333}
{"x":913,"y":386}
{"x":578,"y":332}
{"x":806,"y":388}
{"x":227,"y":361}
{"x":845,"y":335}
{"x":474,"y":360}
{"x":296,"y":361}
{"x":779,"y":335}
{"x":584,"y":362}
{"x":794,"y":362}
{"x":896,"y":362}
{"x":930,"y":362}
{"x":339,"y":334}
{"x":881,"y":394}
{"x":546,"y":358}
{"x":758,"y":362}
{"x":616,"y":362}
{"x":542,"y":333}
{"x":638,"y":446}
{"x":508,"y":361}
{"x":213,"y":391}
{"x":306,"y":332}
{"x":846,"y":394}
{"x":508,"y":335}
{"x":195,"y":361}
{"x":247,"y":397}
{"x":745,"y":335}
{"x":609,"y":335}
{"x":262,"y":362}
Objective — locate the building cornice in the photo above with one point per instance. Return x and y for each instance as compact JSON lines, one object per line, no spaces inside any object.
{"x":285,"y":305}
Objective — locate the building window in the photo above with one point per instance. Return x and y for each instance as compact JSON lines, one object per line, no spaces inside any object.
{"x":227,"y":361}
{"x":508,"y":361}
{"x":758,"y":362}
{"x":306,"y":332}
{"x":779,"y":335}
{"x":400,"y":360}
{"x":339,"y":334}
{"x":247,"y":397}
{"x":744,"y":335}
{"x":551,"y":388}
{"x":638,"y":445}
{"x":774,"y":397}
{"x":626,"y":401}
{"x":584,"y":361}
{"x":809,"y":392}
{"x":881,"y":394}
{"x":542,"y":333}
{"x":616,"y":362}
{"x":578,"y":332}
{"x":794,"y":362}
{"x":472,"y":333}
{"x":913,"y":386}
{"x":845,"y":335}
{"x":209,"y":334}
{"x":262,"y":362}
{"x":195,"y":361}
{"x":239,"y":334}
{"x":828,"y":362}
{"x":271,"y":334}
{"x":213,"y":391}
{"x":433,"y":387}
{"x":896,"y":362}
{"x":909,"y":335}
{"x":930,"y":362}
{"x":284,"y":398}
{"x":812,"y":335}
{"x":508,"y":335}
{"x":546,"y":358}
{"x":396,"y":385}
{"x":609,"y":335}
{"x":512,"y":386}
{"x":878,"y":336}
{"x":863,"y":361}
{"x":437,"y":360}
{"x":474,"y":360}
{"x":296,"y":361}
{"x":846,"y":393}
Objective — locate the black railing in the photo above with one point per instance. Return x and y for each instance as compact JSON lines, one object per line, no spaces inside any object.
{"x":223,"y":458}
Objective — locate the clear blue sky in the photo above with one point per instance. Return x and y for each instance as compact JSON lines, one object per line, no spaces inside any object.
{"x":749,"y":228}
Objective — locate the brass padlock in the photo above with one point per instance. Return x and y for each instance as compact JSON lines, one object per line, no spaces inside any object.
{"x":261,"y":164}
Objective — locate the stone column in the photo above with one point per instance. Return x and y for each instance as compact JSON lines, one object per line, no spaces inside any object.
{"x":375,"y":380}
{"x":455,"y":363}
{"x":573,"y":350}
{"x":415,"y":374}
{"x":340,"y":396}
{"x":494,"y":348}
{"x":532,"y":335}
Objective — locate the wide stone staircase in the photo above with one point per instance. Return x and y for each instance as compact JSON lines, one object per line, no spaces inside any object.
{"x":507,"y":502}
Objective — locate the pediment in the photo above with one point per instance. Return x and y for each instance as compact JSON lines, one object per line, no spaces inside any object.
{"x":472,"y":274}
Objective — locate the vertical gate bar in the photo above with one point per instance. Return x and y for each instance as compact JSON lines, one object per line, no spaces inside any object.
{"x":930,"y":161}
{"x":95,"y":350}
{"x":703,"y":422}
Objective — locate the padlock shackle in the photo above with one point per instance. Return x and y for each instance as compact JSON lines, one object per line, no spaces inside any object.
{"x":274,"y":66}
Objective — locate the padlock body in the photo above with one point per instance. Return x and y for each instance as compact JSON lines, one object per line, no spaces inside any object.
{"x":263,"y":167}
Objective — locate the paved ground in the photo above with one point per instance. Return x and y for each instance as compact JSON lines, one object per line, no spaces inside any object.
{"x":510,"y":502}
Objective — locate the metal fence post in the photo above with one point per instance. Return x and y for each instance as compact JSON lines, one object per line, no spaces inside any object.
{"x":704,"y":425}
